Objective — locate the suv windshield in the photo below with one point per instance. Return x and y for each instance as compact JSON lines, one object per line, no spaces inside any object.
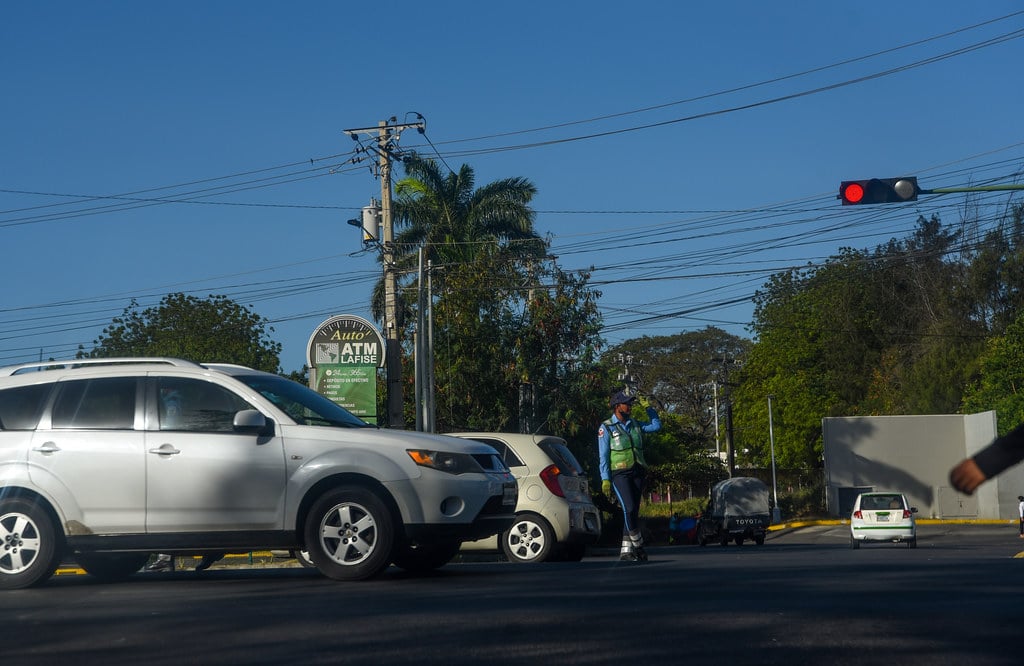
{"x":305,"y":406}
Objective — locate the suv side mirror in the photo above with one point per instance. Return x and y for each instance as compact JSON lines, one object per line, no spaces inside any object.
{"x":250,"y":420}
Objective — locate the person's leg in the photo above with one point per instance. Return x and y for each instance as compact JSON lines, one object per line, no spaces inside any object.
{"x":627,"y":489}
{"x":636,"y":536}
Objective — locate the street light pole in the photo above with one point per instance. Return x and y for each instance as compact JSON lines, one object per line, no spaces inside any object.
{"x":776,"y":514}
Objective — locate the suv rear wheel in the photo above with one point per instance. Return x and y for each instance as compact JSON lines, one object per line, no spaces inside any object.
{"x":30,"y":548}
{"x":350,"y":534}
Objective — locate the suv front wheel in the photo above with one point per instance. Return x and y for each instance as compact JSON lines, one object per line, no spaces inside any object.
{"x":350,"y":534}
{"x":29,"y":546}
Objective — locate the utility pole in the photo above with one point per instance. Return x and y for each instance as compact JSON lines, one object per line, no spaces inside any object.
{"x":387,"y":131}
{"x":628,"y":380}
{"x":392,"y":342}
{"x":776,"y":513}
{"x":729,"y":443}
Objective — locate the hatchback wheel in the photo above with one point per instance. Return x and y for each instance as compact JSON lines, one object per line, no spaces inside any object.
{"x":530,"y":539}
{"x":854,"y":544}
{"x":350,"y":534}
{"x":30,"y":548}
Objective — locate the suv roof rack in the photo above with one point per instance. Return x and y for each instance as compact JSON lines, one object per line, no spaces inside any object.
{"x":43,"y":366}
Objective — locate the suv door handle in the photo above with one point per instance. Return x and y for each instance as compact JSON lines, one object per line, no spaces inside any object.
{"x":47,"y":447}
{"x":165,"y":450}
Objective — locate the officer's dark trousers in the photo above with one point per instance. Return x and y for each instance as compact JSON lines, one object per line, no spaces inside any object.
{"x":629,"y":486}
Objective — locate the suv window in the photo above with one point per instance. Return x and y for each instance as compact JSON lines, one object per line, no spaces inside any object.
{"x":193,"y":405}
{"x":106,"y":404}
{"x":20,"y":407}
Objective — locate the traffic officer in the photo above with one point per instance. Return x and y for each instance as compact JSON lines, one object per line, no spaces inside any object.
{"x":620,"y":447}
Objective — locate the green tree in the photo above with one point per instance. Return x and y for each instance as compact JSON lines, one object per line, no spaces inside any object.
{"x":516,"y":349}
{"x":215,"y":329}
{"x":882,"y":332}
{"x":684,"y":372}
{"x":455,"y":222}
{"x":1000,"y":384}
{"x":556,"y":351}
{"x":685,"y":376}
{"x":995,"y":281}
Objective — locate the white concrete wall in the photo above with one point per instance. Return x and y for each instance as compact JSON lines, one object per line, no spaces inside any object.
{"x":913,"y":454}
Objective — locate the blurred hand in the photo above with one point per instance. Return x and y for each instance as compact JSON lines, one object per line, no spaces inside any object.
{"x":606,"y":488}
{"x":966,"y":476}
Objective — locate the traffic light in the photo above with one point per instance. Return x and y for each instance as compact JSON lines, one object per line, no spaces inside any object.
{"x":878,"y":190}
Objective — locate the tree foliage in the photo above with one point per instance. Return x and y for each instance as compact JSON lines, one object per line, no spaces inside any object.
{"x":686,"y":376}
{"x":456,"y":223}
{"x":896,"y":330}
{"x":515,"y":337}
{"x":213,"y":329}
{"x":1000,"y":383}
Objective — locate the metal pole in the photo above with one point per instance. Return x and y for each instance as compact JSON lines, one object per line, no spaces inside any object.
{"x":776,"y":514}
{"x":421,"y":343}
{"x":429,"y":366}
{"x":718,"y":446}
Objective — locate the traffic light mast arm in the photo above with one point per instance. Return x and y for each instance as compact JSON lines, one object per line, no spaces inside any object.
{"x":979,"y":188}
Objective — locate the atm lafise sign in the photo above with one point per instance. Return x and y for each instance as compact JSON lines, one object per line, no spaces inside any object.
{"x":346,"y":340}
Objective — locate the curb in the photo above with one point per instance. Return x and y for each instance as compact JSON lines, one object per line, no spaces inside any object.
{"x":267,"y":559}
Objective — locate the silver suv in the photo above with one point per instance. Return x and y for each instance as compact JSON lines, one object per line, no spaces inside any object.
{"x":108,"y":460}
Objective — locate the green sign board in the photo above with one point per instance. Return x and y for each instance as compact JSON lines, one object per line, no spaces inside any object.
{"x":344,"y":353}
{"x":354,"y":387}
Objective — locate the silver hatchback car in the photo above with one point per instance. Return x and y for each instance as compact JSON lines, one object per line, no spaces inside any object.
{"x":555,"y":518}
{"x":106,"y":461}
{"x":883,"y":517}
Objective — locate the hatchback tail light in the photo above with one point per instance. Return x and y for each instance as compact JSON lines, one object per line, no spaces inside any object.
{"x":549,"y":475}
{"x":858,"y":515}
{"x":906,"y":514}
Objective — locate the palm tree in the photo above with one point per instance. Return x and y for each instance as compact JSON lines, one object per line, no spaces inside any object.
{"x":455,"y":223}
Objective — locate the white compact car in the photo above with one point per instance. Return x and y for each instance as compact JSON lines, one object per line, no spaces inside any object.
{"x":109,"y":460}
{"x":883,"y":517}
{"x":555,"y":517}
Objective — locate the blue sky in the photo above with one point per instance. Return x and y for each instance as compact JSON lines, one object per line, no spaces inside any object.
{"x":685,"y":151}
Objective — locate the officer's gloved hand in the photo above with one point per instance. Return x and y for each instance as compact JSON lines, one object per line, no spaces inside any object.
{"x":606,"y":488}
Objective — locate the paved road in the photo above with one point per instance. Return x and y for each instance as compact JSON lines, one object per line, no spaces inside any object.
{"x":802,"y":598}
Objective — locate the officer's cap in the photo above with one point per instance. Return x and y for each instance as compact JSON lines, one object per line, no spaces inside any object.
{"x":621,"y":398}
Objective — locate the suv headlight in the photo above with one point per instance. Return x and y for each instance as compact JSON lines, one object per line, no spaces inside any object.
{"x":453,"y":463}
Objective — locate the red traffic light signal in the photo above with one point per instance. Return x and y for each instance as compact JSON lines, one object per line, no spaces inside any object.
{"x":878,"y":190}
